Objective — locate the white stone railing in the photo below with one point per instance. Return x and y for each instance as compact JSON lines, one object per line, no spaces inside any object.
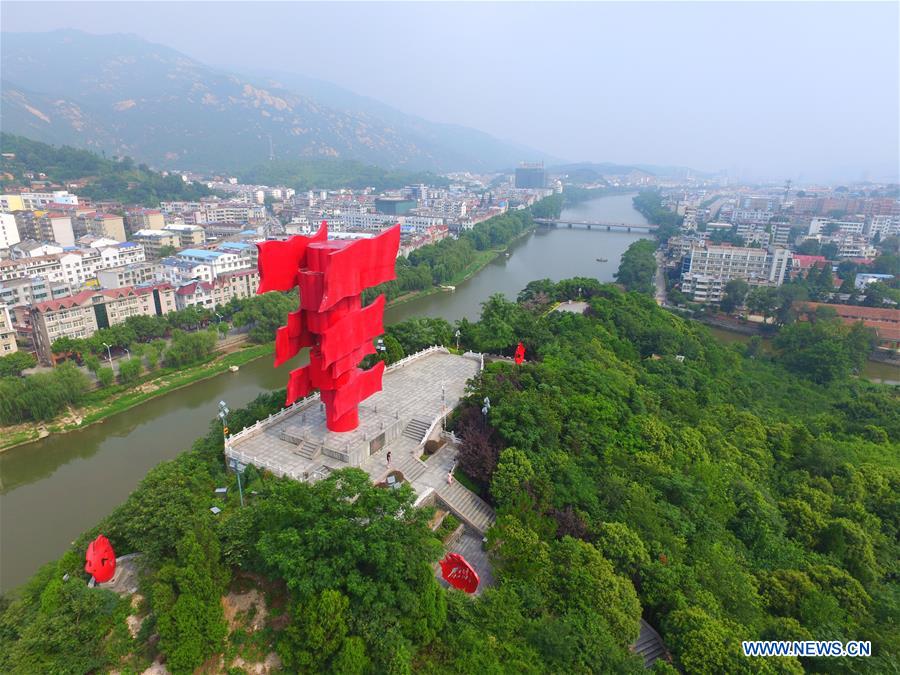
{"x":412,"y":357}
{"x":249,"y":431}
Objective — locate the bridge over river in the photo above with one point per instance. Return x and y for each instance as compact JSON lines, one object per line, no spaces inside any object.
{"x":596,"y":225}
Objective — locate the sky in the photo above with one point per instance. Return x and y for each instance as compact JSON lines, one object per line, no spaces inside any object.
{"x":809,"y":90}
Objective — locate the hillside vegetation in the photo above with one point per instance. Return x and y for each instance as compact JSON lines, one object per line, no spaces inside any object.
{"x":720,"y":496}
{"x":118,"y":180}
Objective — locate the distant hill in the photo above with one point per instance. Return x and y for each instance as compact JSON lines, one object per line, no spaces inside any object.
{"x":125,"y":96}
{"x":120,"y":180}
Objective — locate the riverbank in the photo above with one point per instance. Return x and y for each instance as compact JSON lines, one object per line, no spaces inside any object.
{"x":153,"y":385}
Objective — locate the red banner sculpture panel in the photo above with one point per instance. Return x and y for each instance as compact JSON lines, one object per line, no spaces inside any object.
{"x":457,"y":572}
{"x":331,"y":276}
{"x":100,"y":560}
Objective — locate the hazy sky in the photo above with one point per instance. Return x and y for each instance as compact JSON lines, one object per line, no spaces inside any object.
{"x":806,"y":90}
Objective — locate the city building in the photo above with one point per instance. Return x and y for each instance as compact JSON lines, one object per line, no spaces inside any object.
{"x":394,"y":206}
{"x":30,"y":290}
{"x":188,"y":235}
{"x":154,"y":241}
{"x":864,"y":279}
{"x":107,"y":225}
{"x":706,"y":270}
{"x":144,"y":219}
{"x":7,"y":333}
{"x":81,"y":315}
{"x":530,"y":176}
{"x":209,"y":294}
{"x":9,"y":231}
{"x":134,"y":274}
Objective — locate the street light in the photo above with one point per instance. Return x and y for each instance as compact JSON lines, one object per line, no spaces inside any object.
{"x":457,"y":334}
{"x":127,"y":352}
{"x":234,"y":464}
{"x":486,"y":409}
{"x":108,"y":353}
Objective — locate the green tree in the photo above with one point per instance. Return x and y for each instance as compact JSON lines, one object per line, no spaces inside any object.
{"x":130,"y":370}
{"x":637,"y":269}
{"x":13,"y":364}
{"x":735,"y":292}
{"x":105,"y":376}
{"x":186,"y":599}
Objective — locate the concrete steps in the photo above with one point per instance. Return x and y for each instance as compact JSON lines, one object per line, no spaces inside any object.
{"x":468,"y":506}
{"x":410,"y":466}
{"x":649,"y":645}
{"x":304,"y":448}
{"x":415,"y":430}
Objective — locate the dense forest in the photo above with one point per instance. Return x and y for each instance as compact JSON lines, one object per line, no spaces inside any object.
{"x":638,"y":467}
{"x":110,"y":179}
{"x":326,"y":174}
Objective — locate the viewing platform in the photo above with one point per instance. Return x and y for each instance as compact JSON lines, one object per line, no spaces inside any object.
{"x":417,"y":393}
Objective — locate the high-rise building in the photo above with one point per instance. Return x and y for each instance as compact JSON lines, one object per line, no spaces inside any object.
{"x":530,"y":176}
{"x":9,"y":231}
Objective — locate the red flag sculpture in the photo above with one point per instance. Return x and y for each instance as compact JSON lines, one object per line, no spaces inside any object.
{"x":520,"y":354}
{"x":331,"y":276}
{"x":100,"y":560}
{"x":459,"y":573}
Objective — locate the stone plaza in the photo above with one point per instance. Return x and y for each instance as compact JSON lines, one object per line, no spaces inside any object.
{"x":417,"y":393}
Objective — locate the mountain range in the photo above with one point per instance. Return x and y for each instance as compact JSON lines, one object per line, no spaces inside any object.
{"x":121,"y":95}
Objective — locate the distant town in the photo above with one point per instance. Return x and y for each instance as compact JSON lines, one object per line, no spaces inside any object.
{"x":70,"y":265}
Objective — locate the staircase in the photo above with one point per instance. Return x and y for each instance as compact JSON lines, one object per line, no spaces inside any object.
{"x":649,"y":645}
{"x":416,"y":430}
{"x":468,"y":506}
{"x":409,"y":465}
{"x":304,"y":448}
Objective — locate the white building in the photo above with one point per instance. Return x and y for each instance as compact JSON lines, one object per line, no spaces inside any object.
{"x":7,"y":333}
{"x":706,"y":270}
{"x":9,"y":233}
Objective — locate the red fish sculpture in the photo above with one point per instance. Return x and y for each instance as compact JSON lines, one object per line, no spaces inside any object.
{"x":100,"y":560}
{"x":459,"y":573}
{"x":520,"y":354}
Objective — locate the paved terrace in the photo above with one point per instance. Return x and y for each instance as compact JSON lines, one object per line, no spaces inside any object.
{"x":417,"y":392}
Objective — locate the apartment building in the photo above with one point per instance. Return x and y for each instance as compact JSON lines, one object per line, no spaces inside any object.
{"x":45,"y":226}
{"x":144,"y":219}
{"x":135,"y":274}
{"x":32,"y":201}
{"x":30,"y":290}
{"x":7,"y":333}
{"x":241,"y":284}
{"x":706,"y":270}
{"x":154,"y":241}
{"x":882,"y":226}
{"x":9,"y":231}
{"x":188,"y":235}
{"x":81,"y":315}
{"x":47,"y":266}
{"x":216,"y":262}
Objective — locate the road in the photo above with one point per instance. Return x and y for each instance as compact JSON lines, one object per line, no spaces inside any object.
{"x":660,"y":279}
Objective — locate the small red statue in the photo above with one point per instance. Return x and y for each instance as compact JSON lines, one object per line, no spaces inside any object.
{"x":520,"y":354}
{"x":100,"y":560}
{"x":459,"y":573}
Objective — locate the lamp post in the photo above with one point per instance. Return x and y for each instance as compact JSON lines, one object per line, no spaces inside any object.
{"x":108,"y":353}
{"x":234,"y":464}
{"x":486,"y":409}
{"x":457,"y":334}
{"x":127,"y":352}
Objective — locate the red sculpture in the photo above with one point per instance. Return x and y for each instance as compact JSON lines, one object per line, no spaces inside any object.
{"x":459,"y":573}
{"x":520,"y":354}
{"x":331,"y":276}
{"x":100,"y":560}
